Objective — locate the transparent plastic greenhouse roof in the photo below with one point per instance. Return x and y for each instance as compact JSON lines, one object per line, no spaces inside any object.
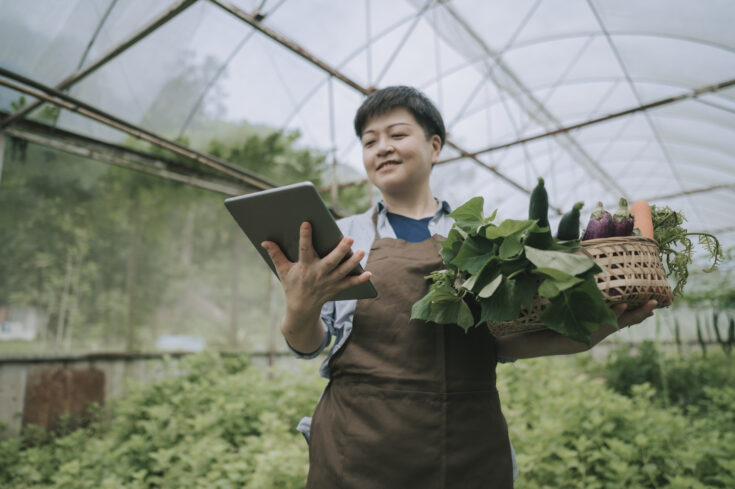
{"x":501,"y":72}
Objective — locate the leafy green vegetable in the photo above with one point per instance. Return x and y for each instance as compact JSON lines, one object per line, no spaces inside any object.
{"x":494,"y":267}
{"x":677,"y":248}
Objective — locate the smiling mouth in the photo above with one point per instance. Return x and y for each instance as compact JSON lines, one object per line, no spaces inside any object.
{"x":387,"y":163}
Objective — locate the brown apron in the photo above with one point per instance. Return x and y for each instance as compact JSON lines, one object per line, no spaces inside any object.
{"x":410,"y":404}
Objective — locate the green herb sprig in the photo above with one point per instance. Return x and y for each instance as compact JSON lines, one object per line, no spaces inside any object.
{"x":676,"y":246}
{"x":492,"y":274}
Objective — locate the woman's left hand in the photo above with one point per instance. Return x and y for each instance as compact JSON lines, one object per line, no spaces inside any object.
{"x":634,"y":316}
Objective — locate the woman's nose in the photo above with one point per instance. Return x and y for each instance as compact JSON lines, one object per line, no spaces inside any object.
{"x":384,"y":146}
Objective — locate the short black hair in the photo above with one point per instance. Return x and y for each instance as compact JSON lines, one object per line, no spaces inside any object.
{"x":386,"y":99}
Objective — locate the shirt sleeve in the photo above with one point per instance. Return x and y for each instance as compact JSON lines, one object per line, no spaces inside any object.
{"x":327,"y":316}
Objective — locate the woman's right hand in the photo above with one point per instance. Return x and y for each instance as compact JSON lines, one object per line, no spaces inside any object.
{"x":311,"y":281}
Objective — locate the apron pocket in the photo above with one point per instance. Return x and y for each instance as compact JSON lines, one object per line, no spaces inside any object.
{"x":392,"y":439}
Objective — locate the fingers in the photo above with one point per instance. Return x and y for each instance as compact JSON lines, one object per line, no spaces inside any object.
{"x":635,"y":316}
{"x":335,"y":257}
{"x":620,"y":309}
{"x":356,"y":280}
{"x":345,"y":268}
{"x":277,"y":257}
{"x":306,"y":246}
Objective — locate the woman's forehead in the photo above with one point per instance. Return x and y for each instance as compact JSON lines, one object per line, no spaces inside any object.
{"x":397,"y":116}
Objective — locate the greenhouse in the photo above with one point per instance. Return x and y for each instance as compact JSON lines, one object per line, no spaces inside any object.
{"x":144,"y":340}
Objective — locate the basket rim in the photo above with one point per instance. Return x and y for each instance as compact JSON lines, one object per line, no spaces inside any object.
{"x":618,"y":239}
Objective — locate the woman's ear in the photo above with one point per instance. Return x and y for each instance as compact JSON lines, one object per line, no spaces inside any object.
{"x":436,"y":148}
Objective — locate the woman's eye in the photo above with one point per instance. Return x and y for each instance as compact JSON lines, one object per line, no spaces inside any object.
{"x":367,"y":144}
{"x":399,"y":135}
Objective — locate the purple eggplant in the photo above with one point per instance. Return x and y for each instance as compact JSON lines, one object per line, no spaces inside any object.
{"x":622,"y":220}
{"x":600,"y":224}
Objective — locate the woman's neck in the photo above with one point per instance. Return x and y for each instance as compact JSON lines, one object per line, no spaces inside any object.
{"x":416,"y":206}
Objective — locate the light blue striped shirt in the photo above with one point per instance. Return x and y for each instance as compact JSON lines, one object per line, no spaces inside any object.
{"x":337,"y":315}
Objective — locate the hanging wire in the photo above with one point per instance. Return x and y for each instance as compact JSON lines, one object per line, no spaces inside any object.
{"x":369,"y":51}
{"x":213,"y":80}
{"x":95,"y":34}
{"x":437,"y":55}
{"x":402,"y":43}
{"x":342,"y":64}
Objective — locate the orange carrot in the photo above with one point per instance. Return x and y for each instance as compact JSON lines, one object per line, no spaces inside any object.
{"x":642,"y":218}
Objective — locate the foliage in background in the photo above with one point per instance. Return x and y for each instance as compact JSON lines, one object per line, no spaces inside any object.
{"x":224,"y":424}
{"x":682,"y":381}
{"x":114,"y":258}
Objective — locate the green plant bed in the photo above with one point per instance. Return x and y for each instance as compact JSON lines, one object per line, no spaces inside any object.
{"x":222,"y":423}
{"x":219,"y":424}
{"x":570,"y":429}
{"x":684,"y":381}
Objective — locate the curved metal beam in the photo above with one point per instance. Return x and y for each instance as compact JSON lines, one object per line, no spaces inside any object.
{"x":47,"y":94}
{"x":586,"y":81}
{"x":658,"y":103}
{"x":172,"y":12}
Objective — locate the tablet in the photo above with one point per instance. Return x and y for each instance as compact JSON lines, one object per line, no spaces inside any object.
{"x":276,"y":215}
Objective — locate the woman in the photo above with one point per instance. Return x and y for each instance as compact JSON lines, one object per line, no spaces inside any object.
{"x":409,"y":404}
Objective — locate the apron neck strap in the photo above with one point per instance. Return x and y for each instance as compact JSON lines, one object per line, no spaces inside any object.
{"x":374,"y":218}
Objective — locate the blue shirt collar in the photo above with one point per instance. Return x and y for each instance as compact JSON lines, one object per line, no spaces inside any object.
{"x":444,"y":208}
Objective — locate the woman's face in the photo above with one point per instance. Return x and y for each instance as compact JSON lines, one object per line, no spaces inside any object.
{"x":396,"y":154}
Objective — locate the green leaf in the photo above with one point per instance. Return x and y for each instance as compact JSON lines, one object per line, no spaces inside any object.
{"x":487,"y":274}
{"x":451,"y":245}
{"x":422,"y":308}
{"x":525,"y":288}
{"x":508,"y":227}
{"x":491,"y":217}
{"x":511,"y":247}
{"x":565,"y":262}
{"x":444,"y":293}
{"x":553,"y":273}
{"x":489,"y":289}
{"x":474,"y":254}
{"x":469,"y":213}
{"x":555,"y":281}
{"x":578,"y":311}
{"x":550,"y":288}
{"x":505,"y":303}
{"x":456,"y":312}
{"x":470,"y":282}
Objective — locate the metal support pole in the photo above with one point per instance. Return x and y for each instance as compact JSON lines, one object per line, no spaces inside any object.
{"x":2,"y":153}
{"x":333,"y":151}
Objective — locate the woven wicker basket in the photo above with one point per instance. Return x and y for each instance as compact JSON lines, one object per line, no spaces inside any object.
{"x":634,"y":275}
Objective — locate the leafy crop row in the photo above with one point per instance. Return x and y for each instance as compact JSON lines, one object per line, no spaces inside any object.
{"x":220,"y":423}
